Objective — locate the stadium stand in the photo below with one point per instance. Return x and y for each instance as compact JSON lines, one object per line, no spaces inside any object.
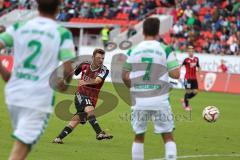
{"x":212,"y":26}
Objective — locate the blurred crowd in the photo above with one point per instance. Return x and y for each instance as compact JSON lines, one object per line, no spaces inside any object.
{"x":8,"y":5}
{"x":4,"y":4}
{"x":212,"y":26}
{"x":105,"y":8}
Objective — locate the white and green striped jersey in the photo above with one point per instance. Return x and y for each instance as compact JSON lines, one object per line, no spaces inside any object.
{"x":39,"y":45}
{"x":158,"y":60}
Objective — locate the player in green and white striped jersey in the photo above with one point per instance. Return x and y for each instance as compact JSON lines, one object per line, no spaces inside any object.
{"x":39,"y":45}
{"x":146,"y":72}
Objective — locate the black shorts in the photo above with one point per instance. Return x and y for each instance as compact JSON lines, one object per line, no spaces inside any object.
{"x":191,"y":84}
{"x":81,"y":102}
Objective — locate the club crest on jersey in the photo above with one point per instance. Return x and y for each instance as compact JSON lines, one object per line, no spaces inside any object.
{"x":194,"y":64}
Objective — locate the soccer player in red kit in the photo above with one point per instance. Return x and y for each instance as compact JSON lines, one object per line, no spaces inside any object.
{"x":93,"y":75}
{"x":191,"y":64}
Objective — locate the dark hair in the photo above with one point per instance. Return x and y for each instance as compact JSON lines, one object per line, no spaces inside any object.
{"x":48,"y":6}
{"x":98,"y":51}
{"x":151,"y":26}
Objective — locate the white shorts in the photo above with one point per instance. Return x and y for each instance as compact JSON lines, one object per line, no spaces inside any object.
{"x":163,"y":120}
{"x":28,"y":124}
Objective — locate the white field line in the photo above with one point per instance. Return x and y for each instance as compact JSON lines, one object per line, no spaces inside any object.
{"x":206,"y":155}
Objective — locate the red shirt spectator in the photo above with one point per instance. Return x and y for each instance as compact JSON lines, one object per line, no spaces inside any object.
{"x":222,"y":68}
{"x":7,"y":4}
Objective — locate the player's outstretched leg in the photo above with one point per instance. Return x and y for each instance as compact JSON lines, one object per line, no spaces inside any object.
{"x":185,"y":102}
{"x":67,"y":130}
{"x":170,"y":146}
{"x":100,"y":135}
{"x":188,"y":95}
{"x":19,"y":151}
{"x":138,"y":147}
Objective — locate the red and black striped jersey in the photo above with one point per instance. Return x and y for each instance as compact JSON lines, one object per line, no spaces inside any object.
{"x":88,"y":73}
{"x":191,"y":64}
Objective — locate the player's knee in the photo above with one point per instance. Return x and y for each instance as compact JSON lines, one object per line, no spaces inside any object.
{"x":189,"y":91}
{"x":89,"y":109}
{"x":139,"y":138}
{"x":75,"y":118}
{"x":82,"y":117}
{"x":167,"y":137}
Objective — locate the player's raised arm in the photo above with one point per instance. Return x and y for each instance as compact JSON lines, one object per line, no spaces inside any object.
{"x":184,"y":63}
{"x":198,"y":66}
{"x":66,"y":52}
{"x":125,"y":74}
{"x":173,"y":66}
{"x":4,"y":73}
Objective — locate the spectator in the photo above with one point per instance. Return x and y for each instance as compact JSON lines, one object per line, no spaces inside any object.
{"x":63,"y":15}
{"x":232,"y":39}
{"x":236,"y":7}
{"x":217,"y":25}
{"x":180,"y":12}
{"x":133,"y":13}
{"x":215,"y":14}
{"x":234,"y":48}
{"x":206,"y":46}
{"x":150,"y":4}
{"x":85,"y":10}
{"x":225,"y":34}
{"x":7,"y":4}
{"x":97,"y":11}
{"x":215,"y":47}
{"x":188,"y":12}
{"x":238,"y":22}
{"x":141,"y":11}
{"x":184,"y":4}
{"x":110,"y":12}
{"x":76,"y":12}
{"x":207,"y":17}
{"x":105,"y":35}
{"x":178,"y":30}
{"x":222,"y":68}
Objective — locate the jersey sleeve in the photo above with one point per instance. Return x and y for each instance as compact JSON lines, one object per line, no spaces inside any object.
{"x":6,"y":38}
{"x":78,"y":70}
{"x":172,"y":62}
{"x":104,"y":73}
{"x":66,"y":50}
{"x":184,"y":62}
{"x":198,"y":63}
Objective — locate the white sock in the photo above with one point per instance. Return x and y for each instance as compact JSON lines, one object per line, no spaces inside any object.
{"x":137,"y":151}
{"x":170,"y":151}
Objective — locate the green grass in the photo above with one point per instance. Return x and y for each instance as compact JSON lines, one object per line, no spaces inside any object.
{"x":193,"y":137}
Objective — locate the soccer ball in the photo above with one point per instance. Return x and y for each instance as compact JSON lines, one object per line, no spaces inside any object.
{"x":210,"y":113}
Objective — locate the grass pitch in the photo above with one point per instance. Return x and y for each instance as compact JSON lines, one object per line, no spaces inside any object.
{"x":193,"y":135}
